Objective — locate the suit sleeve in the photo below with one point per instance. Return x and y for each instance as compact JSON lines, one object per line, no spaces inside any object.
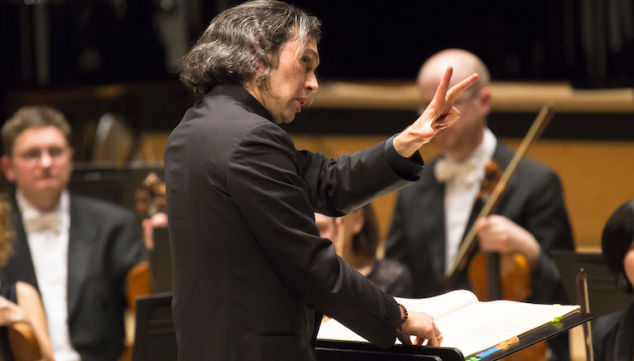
{"x":375,"y":172}
{"x":548,"y":221}
{"x":273,"y":190}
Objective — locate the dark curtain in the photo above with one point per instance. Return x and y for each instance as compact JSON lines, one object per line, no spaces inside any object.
{"x":606,"y":37}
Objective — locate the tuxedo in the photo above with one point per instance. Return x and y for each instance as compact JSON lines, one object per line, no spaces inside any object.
{"x":104,"y":244}
{"x":250,"y":269}
{"x":533,"y":199}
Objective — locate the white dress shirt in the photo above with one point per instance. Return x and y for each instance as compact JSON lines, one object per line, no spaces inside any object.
{"x":463,"y":180}
{"x":47,"y":234}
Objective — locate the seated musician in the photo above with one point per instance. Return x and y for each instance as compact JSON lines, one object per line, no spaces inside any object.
{"x":356,"y":237}
{"x":613,"y":334}
{"x":19,"y":302}
{"x":97,"y":241}
{"x":531,"y":218}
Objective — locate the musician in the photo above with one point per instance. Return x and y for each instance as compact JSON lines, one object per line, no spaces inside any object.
{"x":432,"y":216}
{"x":613,"y":334}
{"x":19,"y":302}
{"x":356,"y":237}
{"x":76,"y":251}
{"x":250,"y":269}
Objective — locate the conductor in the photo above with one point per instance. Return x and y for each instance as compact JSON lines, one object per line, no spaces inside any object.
{"x":252,"y":276}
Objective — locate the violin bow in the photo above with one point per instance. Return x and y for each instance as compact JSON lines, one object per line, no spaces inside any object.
{"x":536,"y":129}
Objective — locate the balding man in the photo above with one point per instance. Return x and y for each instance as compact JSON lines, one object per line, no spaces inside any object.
{"x":432,"y":216}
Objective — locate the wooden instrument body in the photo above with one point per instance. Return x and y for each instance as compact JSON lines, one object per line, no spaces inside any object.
{"x":23,"y":343}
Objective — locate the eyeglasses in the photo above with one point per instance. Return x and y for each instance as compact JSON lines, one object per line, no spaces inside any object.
{"x":35,"y":155}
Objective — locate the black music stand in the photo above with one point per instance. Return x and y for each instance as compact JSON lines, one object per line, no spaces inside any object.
{"x":603,"y":293}
{"x":154,"y":337}
{"x":329,"y":350}
{"x":161,"y":261}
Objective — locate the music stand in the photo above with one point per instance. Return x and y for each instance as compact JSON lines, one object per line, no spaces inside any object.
{"x":154,"y":338}
{"x":604,"y":295}
{"x":161,"y":261}
{"x":330,"y":350}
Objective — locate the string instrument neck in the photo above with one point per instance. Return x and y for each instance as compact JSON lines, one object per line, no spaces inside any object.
{"x":496,"y":191}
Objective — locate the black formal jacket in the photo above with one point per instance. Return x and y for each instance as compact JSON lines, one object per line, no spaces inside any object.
{"x":8,"y":291}
{"x":533,"y":199}
{"x":104,"y":243}
{"x":249,"y":266}
{"x":613,"y":336}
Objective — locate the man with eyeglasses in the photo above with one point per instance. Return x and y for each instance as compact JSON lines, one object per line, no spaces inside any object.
{"x":432,"y":216}
{"x":76,"y":251}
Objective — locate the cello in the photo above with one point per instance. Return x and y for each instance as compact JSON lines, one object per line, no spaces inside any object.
{"x":495,"y":276}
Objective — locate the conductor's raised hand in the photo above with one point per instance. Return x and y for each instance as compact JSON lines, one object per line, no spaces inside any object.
{"x":423,"y":329}
{"x":439,"y":114}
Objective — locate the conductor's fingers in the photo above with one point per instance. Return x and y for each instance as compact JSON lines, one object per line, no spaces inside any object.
{"x":441,"y":91}
{"x":459,"y":88}
{"x":437,"y":336}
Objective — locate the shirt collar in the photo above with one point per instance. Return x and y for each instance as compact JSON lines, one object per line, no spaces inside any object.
{"x":62,"y":208}
{"x":470,"y":170}
{"x":484,"y":152}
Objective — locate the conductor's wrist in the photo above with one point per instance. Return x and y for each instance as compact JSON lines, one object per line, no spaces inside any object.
{"x":406,"y":145}
{"x":400,"y":333}
{"x":404,"y":315}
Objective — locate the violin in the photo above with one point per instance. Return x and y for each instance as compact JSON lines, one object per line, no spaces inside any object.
{"x":23,"y":343}
{"x":151,"y":197}
{"x":494,"y":276}
{"x":494,"y":193}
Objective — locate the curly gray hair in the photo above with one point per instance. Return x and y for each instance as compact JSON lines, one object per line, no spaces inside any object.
{"x":242,"y":40}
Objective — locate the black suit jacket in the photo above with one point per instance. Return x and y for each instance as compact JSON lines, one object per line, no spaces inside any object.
{"x":613,"y":336}
{"x":104,"y":243}
{"x":249,"y":266}
{"x":533,"y":199}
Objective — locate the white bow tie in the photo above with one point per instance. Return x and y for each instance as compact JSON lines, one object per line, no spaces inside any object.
{"x":466,"y":172}
{"x":41,"y":222}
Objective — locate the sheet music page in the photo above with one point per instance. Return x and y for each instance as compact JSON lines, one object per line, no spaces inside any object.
{"x":467,"y":324}
{"x":482,"y":325}
{"x":439,"y":306}
{"x":436,"y":307}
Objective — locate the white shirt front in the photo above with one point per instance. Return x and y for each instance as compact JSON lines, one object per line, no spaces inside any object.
{"x":460,"y":194}
{"x":47,"y":234}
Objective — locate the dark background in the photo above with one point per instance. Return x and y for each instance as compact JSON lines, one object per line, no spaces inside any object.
{"x":86,"y":43}
{"x":586,"y":42}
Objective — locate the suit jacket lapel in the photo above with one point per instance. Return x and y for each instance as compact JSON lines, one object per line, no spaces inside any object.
{"x":80,"y":244}
{"x":434,"y":228}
